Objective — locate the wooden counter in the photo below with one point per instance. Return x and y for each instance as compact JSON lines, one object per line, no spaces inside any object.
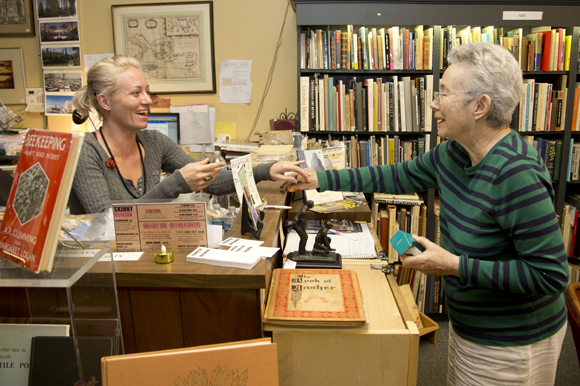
{"x":383,"y":352}
{"x":184,"y":304}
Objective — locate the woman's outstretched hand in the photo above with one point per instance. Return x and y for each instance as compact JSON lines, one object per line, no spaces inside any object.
{"x":288,"y":172}
{"x":303,"y":183}
{"x":196,"y":173}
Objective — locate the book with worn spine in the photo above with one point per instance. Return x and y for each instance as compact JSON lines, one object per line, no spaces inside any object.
{"x":315,"y":297}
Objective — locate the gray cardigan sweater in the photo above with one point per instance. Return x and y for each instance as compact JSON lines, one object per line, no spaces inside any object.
{"x":95,"y":185}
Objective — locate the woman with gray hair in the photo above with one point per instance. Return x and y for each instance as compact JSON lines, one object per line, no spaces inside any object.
{"x":121,"y":161}
{"x":503,"y":257}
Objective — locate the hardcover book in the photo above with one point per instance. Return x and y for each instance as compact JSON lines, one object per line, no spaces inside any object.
{"x":250,"y":363}
{"x":53,"y":361}
{"x":38,"y":198}
{"x":325,"y":297}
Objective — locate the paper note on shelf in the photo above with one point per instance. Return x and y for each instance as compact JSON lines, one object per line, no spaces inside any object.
{"x":122,"y":256}
{"x":362,"y":248}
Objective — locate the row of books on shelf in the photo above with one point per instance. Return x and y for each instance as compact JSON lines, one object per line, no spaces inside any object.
{"x":569,"y":225}
{"x":550,"y":150}
{"x":542,"y":106}
{"x":574,"y":265}
{"x":374,"y":151}
{"x":573,"y":172}
{"x":541,"y":48}
{"x":386,"y":150}
{"x":394,"y":48}
{"x":427,"y":290}
{"x":407,"y":212}
{"x":570,"y":234}
{"x":390,"y":104}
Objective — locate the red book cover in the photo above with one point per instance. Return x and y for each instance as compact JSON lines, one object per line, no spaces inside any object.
{"x":406,"y":50}
{"x":38,"y":198}
{"x":574,"y":233}
{"x":546,"y":51}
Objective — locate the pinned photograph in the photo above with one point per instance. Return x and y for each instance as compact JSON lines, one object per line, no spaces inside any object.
{"x":59,"y":31}
{"x":64,"y":56}
{"x":59,"y":104}
{"x":62,"y":82}
{"x":56,"y":8}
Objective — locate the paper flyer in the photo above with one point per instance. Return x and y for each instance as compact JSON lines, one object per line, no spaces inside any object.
{"x":246,"y":163}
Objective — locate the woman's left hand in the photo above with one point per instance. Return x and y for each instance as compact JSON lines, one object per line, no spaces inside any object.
{"x":278,"y":170}
{"x":434,"y":261}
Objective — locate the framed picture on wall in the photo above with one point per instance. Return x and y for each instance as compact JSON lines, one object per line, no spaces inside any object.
{"x":18,"y":22}
{"x":12,"y":81}
{"x":56,"y":8}
{"x":173,"y":42}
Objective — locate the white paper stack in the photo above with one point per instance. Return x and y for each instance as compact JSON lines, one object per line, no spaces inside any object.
{"x":235,"y":258}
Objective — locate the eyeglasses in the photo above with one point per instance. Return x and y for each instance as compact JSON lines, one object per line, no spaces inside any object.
{"x":437,"y":94}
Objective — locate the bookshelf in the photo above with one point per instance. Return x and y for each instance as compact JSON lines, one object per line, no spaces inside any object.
{"x":337,"y":14}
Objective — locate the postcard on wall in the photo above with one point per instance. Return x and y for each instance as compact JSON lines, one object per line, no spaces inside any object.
{"x":58,"y":31}
{"x":181,"y":226}
{"x":246,"y":163}
{"x":58,"y":104}
{"x":61,"y":57}
{"x":62,"y":81}
{"x":63,"y":8}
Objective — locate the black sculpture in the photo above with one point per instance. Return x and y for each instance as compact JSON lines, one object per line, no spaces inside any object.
{"x":322,"y":241}
{"x":322,"y":255}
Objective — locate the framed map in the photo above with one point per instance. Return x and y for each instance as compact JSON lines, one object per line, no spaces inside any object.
{"x":173,"y":42}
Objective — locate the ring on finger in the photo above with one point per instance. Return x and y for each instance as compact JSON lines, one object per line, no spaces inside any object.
{"x":209,"y":177}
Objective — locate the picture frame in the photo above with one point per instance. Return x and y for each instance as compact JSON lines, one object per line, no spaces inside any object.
{"x":61,"y":57}
{"x":59,"y":31}
{"x":180,"y":42}
{"x":20,"y":25}
{"x":12,"y":79}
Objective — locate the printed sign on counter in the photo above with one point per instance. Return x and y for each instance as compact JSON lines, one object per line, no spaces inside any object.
{"x":181,"y":226}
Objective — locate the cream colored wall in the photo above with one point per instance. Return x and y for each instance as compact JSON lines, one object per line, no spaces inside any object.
{"x":246,"y":30}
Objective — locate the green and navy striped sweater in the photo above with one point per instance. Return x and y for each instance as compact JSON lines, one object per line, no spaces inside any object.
{"x":499,"y":217}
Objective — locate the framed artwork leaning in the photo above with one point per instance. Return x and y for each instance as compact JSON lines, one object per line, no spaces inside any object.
{"x":17,"y":20}
{"x":173,"y":42}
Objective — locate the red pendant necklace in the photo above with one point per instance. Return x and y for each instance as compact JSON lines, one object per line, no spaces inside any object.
{"x":110,"y":162}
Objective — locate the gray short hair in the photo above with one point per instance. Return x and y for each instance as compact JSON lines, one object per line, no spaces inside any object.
{"x":491,"y":69}
{"x":102,"y":78}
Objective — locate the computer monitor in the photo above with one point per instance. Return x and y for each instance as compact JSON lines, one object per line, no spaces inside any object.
{"x":165,"y":123}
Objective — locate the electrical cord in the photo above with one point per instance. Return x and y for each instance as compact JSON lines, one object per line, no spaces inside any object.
{"x":269,"y":80}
